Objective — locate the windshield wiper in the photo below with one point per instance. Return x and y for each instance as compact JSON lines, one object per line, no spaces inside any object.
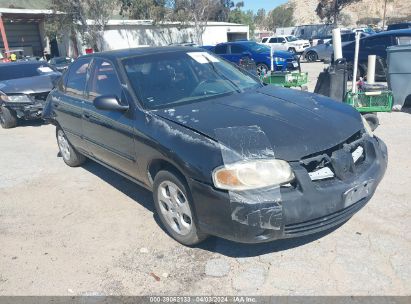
{"x":236,"y":87}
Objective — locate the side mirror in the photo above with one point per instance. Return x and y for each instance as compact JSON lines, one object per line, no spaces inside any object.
{"x":109,"y":103}
{"x":283,"y":42}
{"x":246,"y":54}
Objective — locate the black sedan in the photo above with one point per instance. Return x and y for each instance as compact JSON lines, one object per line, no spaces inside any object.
{"x":24,"y":87}
{"x":223,"y":153}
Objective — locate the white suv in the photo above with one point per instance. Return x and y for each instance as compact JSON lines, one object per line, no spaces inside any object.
{"x":286,"y":43}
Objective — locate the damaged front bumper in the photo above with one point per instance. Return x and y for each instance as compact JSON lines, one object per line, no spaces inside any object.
{"x":27,"y":106}
{"x":306,"y":206}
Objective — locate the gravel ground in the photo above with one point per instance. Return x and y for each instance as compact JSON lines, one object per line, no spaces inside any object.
{"x":88,"y":231}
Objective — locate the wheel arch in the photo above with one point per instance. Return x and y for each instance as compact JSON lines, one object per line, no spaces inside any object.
{"x":159,"y":164}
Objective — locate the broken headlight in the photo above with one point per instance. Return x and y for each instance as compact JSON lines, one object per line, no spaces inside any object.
{"x":21,"y":98}
{"x":253,"y":174}
{"x":367,"y":127}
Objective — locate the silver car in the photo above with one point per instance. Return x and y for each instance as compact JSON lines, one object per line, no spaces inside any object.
{"x":325,"y":51}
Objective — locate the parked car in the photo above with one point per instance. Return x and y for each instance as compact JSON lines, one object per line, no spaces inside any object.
{"x":325,"y":51}
{"x":61,"y":63}
{"x":24,"y":87}
{"x":286,"y":43}
{"x":236,"y":51}
{"x":375,"y":45}
{"x":399,"y":26}
{"x":222,"y":153}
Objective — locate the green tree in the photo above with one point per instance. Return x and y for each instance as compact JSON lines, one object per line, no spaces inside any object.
{"x":71,"y":17}
{"x":260,"y":18}
{"x":330,"y":10}
{"x":281,"y":16}
{"x":237,"y":15}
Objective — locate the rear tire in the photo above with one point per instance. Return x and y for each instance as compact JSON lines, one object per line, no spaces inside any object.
{"x":8,"y":118}
{"x":311,"y":56}
{"x":70,"y":156}
{"x":174,"y":207}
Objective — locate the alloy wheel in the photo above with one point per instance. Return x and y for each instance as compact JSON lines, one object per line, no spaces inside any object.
{"x":175,"y":208}
{"x":63,"y":144}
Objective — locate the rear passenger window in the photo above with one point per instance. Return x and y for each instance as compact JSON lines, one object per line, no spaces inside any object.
{"x":237,"y":49}
{"x":77,"y":76}
{"x":273,"y":40}
{"x":221,"y":49}
{"x":104,"y":80}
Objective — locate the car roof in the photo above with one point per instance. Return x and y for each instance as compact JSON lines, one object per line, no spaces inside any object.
{"x":393,"y":32}
{"x":124,"y":53}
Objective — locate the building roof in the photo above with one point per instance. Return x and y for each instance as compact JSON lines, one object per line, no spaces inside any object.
{"x":25,"y":11}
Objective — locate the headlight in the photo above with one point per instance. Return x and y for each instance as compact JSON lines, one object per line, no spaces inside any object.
{"x":19,"y":98}
{"x":279,"y":59}
{"x":367,"y":127}
{"x":253,"y":174}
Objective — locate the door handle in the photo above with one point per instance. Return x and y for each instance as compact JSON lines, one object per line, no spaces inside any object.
{"x":86,"y":115}
{"x":56,"y":105}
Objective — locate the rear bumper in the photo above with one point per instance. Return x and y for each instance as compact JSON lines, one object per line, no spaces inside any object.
{"x":306,"y":208}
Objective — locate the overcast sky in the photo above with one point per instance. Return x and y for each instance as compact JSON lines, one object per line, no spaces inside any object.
{"x":266,"y":4}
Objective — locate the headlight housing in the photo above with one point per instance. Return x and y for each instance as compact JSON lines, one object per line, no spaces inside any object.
{"x":253,"y":174}
{"x":3,"y":97}
{"x":279,"y":59}
{"x":20,"y":98}
{"x":367,"y":127}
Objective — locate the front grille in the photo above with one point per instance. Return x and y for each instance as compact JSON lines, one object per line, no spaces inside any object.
{"x":40,"y":96}
{"x":324,"y":222}
{"x":322,"y":159}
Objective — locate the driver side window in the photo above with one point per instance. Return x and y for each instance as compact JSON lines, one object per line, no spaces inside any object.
{"x":104,"y":80}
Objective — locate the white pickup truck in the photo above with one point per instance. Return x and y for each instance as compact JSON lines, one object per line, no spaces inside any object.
{"x":286,"y":43}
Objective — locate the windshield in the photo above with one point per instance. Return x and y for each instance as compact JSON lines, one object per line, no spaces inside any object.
{"x":160,"y":80}
{"x":13,"y":71}
{"x":258,"y":48}
{"x":291,"y":38}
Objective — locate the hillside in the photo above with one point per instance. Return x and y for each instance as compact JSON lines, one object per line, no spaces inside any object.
{"x":304,"y":12}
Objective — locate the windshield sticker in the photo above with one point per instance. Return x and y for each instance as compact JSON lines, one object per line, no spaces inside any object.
{"x":202,"y":57}
{"x":45,"y":69}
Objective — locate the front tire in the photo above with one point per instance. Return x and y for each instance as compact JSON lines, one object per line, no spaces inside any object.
{"x":292,"y":50}
{"x":8,"y":118}
{"x":70,"y":156}
{"x":173,"y":203}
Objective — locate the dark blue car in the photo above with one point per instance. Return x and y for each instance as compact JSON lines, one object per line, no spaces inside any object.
{"x":375,"y":45}
{"x":235,"y":51}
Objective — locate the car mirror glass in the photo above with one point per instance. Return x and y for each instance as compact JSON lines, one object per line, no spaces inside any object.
{"x":109,"y":103}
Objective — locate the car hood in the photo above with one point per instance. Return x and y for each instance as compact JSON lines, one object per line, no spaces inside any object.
{"x":296,"y":124}
{"x":29,"y":85}
{"x":301,"y":41}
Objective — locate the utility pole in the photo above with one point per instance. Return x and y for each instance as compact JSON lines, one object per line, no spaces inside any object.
{"x":385,"y":11}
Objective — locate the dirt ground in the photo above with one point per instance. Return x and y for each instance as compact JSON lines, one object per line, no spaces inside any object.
{"x":88,"y":231}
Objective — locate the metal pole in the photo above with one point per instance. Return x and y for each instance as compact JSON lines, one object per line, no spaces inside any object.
{"x":355,"y":67}
{"x":371,"y":69}
{"x":272,"y":58}
{"x":337,"y":44}
{"x":385,"y":11}
{"x":3,"y":35}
